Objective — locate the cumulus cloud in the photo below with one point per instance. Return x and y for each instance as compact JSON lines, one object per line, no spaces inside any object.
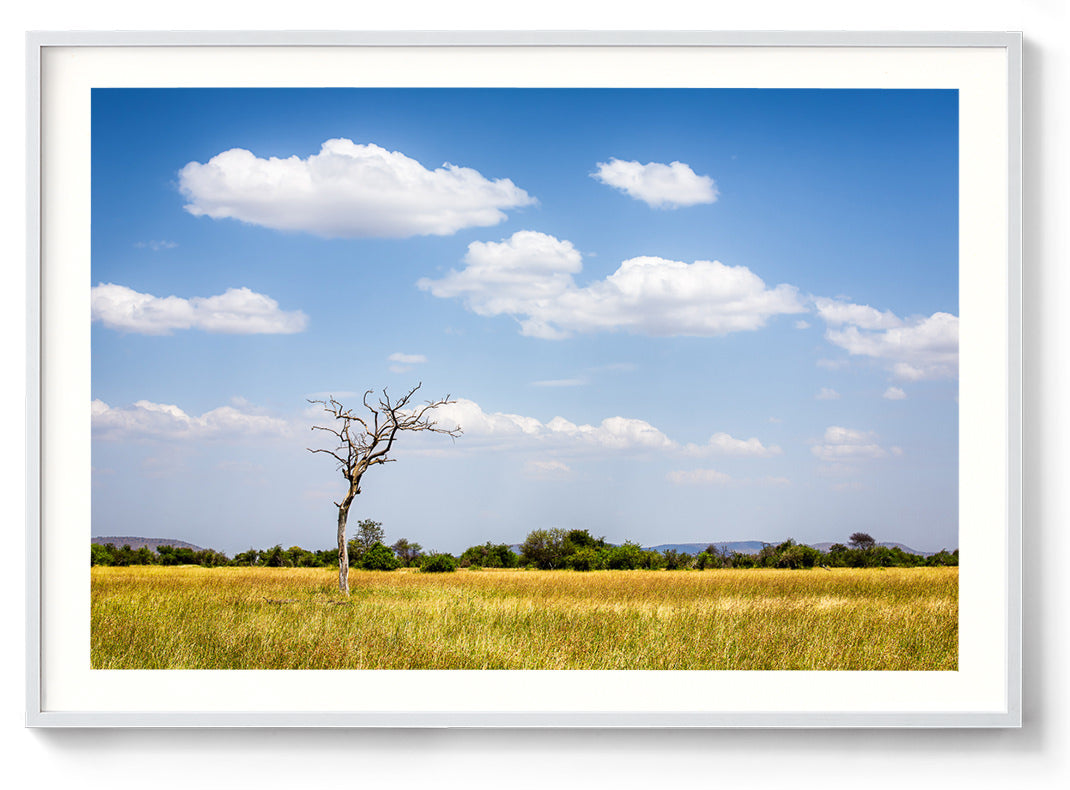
{"x":842,"y":445}
{"x":613,"y":433}
{"x":347,"y":190}
{"x":145,"y":419}
{"x":827,"y":393}
{"x":658,"y":185}
{"x":530,"y":276}
{"x":926,"y":348}
{"x":724,"y":444}
{"x":502,"y":429}
{"x":894,"y":393}
{"x":836,"y":312}
{"x":922,"y":347}
{"x":235,"y":311}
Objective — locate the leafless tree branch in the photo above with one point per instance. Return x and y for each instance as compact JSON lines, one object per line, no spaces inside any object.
{"x":361,"y":446}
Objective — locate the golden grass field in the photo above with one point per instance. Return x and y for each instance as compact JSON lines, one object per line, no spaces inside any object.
{"x":146,"y":617}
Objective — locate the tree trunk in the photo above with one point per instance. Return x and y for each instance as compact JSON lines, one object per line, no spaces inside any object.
{"x":343,"y":548}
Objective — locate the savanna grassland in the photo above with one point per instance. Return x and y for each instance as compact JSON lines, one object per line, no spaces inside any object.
{"x":148,"y":617}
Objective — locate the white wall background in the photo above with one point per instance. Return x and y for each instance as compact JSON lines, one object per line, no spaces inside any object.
{"x":1035,"y":756}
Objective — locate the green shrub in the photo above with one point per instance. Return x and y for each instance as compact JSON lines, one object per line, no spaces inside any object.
{"x":379,"y":558}
{"x":438,"y":563}
{"x":586,"y":559}
{"x":626,"y":558}
{"x":101,"y":555}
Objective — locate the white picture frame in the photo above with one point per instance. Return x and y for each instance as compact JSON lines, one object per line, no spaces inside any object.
{"x":986,"y":67}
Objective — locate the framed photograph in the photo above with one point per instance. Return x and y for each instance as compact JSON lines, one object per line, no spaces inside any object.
{"x":525,"y":380}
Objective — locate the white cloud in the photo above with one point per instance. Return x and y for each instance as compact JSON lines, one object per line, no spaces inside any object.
{"x":616,"y":367}
{"x":827,"y":394}
{"x":156,"y":246}
{"x":723,"y":444}
{"x":502,"y":429}
{"x":327,"y":394}
{"x":614,"y":433}
{"x":832,"y":364}
{"x":775,"y":481}
{"x":559,"y":383}
{"x":407,"y":359}
{"x":708,"y":477}
{"x":161,"y":420}
{"x":705,"y":477}
{"x":836,"y":312}
{"x":403,"y":362}
{"x":235,"y":311}
{"x":658,"y":185}
{"x":845,"y":445}
{"x":917,"y":348}
{"x":529,"y":276}
{"x":800,"y":324}
{"x":852,"y":485}
{"x":894,"y":393}
{"x":547,"y":470}
{"x":347,"y":190}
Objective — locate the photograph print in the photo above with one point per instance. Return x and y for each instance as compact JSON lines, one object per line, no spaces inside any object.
{"x":525,"y":379}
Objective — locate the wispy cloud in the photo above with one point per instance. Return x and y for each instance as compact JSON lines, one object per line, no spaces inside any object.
{"x":237,"y":311}
{"x":547,"y":469}
{"x":530,"y":276}
{"x":705,"y":477}
{"x":845,"y":445}
{"x":404,"y":362}
{"x":156,"y":246}
{"x":347,"y":190}
{"x":826,"y":393}
{"x":894,"y":393}
{"x":577,"y":382}
{"x":339,"y":393}
{"x":670,"y":186}
{"x":407,"y":359}
{"x":712,"y":477}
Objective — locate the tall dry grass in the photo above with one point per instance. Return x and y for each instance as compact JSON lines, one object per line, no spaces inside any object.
{"x":276,"y":618}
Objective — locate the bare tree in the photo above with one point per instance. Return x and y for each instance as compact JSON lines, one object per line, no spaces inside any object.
{"x":367,"y":440}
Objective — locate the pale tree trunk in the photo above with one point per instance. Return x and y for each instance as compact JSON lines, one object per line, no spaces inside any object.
{"x":343,"y":547}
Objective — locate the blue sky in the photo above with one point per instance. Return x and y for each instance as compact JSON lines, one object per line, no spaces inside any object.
{"x":667,"y":315}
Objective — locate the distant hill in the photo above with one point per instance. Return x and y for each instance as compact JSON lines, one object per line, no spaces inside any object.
{"x":152,"y":543}
{"x":754,"y":546}
{"x":742,"y":546}
{"x":903,"y":546}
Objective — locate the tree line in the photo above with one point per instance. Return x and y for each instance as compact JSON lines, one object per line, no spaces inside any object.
{"x":580,"y":551}
{"x":366,"y":550}
{"x":543,"y":549}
